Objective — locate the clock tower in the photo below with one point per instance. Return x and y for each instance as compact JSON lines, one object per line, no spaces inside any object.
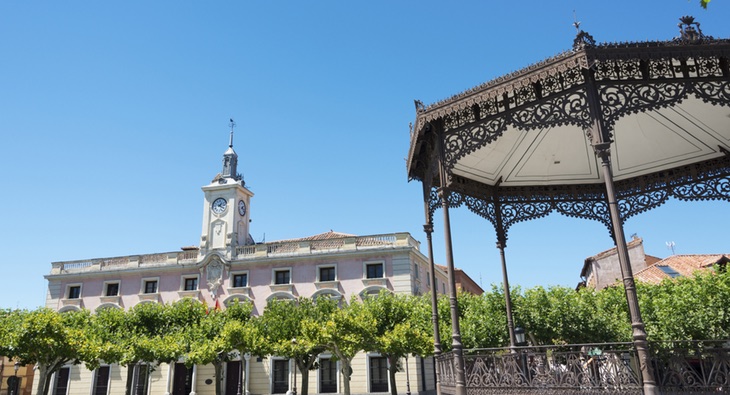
{"x":226,"y":208}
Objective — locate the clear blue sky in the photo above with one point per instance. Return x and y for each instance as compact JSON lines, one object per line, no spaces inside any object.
{"x":114,"y":114}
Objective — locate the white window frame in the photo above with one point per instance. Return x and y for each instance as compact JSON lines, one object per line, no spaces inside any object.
{"x":143,"y":285}
{"x":281,"y":269}
{"x":135,"y":377}
{"x":238,"y":273}
{"x":288,"y":373}
{"x":365,"y":269}
{"x":95,"y":377}
{"x":337,"y":373}
{"x":187,"y":277}
{"x":68,"y":290}
{"x":327,"y":266}
{"x":54,"y":379}
{"x":106,"y":285}
{"x":367,"y":367}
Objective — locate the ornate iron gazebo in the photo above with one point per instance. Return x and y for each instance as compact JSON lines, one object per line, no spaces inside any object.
{"x":601,"y":132}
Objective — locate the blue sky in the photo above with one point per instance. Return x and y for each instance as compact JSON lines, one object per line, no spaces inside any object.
{"x":114,"y":114}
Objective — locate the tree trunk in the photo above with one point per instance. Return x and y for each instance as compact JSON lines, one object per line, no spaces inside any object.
{"x":44,"y":380}
{"x":218,"y":368}
{"x":346,"y":371}
{"x":304,"y":367}
{"x":392,"y":369}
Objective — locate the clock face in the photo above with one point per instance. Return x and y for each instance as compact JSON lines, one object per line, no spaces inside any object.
{"x":219,"y":205}
{"x":241,"y":208}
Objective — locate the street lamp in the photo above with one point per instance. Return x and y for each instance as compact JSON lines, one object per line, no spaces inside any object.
{"x":520,"y":339}
{"x":520,"y":336}
{"x":13,"y":381}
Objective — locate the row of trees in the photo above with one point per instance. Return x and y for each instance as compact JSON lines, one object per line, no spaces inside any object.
{"x":393,"y":325}
{"x":684,"y":308}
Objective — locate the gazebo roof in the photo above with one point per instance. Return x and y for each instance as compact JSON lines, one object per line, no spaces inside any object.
{"x":529,"y":136}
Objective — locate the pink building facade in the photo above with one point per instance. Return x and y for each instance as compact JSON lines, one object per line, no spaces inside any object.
{"x":228,"y":265}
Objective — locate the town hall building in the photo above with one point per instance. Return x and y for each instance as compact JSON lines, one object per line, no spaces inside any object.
{"x":228,"y":265}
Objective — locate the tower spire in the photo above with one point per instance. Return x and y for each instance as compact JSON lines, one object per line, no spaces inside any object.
{"x":230,"y":158}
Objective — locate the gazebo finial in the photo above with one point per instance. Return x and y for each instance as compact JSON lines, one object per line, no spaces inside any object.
{"x":687,"y":31}
{"x":582,"y":39}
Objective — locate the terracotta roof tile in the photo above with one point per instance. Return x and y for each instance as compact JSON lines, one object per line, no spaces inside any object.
{"x":322,"y":236}
{"x":684,"y":265}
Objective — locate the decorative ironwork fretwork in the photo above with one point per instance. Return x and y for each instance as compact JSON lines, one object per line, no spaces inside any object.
{"x":692,"y":367}
{"x":569,"y":109}
{"x":709,"y":180}
{"x":681,"y":368}
{"x":619,"y":100}
{"x":466,"y":141}
{"x":715,"y":92}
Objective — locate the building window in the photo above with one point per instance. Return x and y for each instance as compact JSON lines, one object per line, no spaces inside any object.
{"x":282,"y":276}
{"x":112,"y":289}
{"x":150,"y":286}
{"x":327,"y":375}
{"x":139,"y":379}
{"x":669,"y":271}
{"x":101,"y":381}
{"x":60,"y":383}
{"x":415,"y":270}
{"x":233,"y":374}
{"x":378,"y":374}
{"x":240,"y":280}
{"x":428,"y":279}
{"x":280,"y":376}
{"x":74,"y":292}
{"x":374,"y":270}
{"x":327,"y":273}
{"x":190,"y":283}
{"x":182,"y":380}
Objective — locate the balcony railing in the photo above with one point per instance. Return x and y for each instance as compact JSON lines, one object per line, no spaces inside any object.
{"x":310,"y":247}
{"x":256,"y":251}
{"x":608,"y":368}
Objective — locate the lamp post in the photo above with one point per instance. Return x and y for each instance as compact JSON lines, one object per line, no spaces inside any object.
{"x":13,"y":381}
{"x":408,"y":378}
{"x":294,"y":388}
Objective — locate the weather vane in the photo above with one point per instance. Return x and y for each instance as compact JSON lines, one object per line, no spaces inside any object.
{"x":575,"y":22}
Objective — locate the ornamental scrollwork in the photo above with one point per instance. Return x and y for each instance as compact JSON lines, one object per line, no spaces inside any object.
{"x":620,"y":100}
{"x":569,"y":109}
{"x":715,"y":92}
{"x":465,"y":141}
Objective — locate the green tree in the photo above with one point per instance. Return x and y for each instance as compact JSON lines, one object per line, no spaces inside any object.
{"x":401,"y":328}
{"x":150,"y":337}
{"x":45,"y":338}
{"x":687,"y":308}
{"x":282,"y":320}
{"x":245,"y":336}
{"x":484,"y":322}
{"x":207,"y":340}
{"x":344,"y":332}
{"x":105,"y":338}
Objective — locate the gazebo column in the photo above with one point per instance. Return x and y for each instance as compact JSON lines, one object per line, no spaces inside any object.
{"x":428,"y":229}
{"x":639,"y":333}
{"x":456,"y":346}
{"x":501,"y":245}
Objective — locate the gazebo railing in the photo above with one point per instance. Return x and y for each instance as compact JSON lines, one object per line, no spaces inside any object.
{"x":605,"y":368}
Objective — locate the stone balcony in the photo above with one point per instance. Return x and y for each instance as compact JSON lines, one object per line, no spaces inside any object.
{"x":255,"y":251}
